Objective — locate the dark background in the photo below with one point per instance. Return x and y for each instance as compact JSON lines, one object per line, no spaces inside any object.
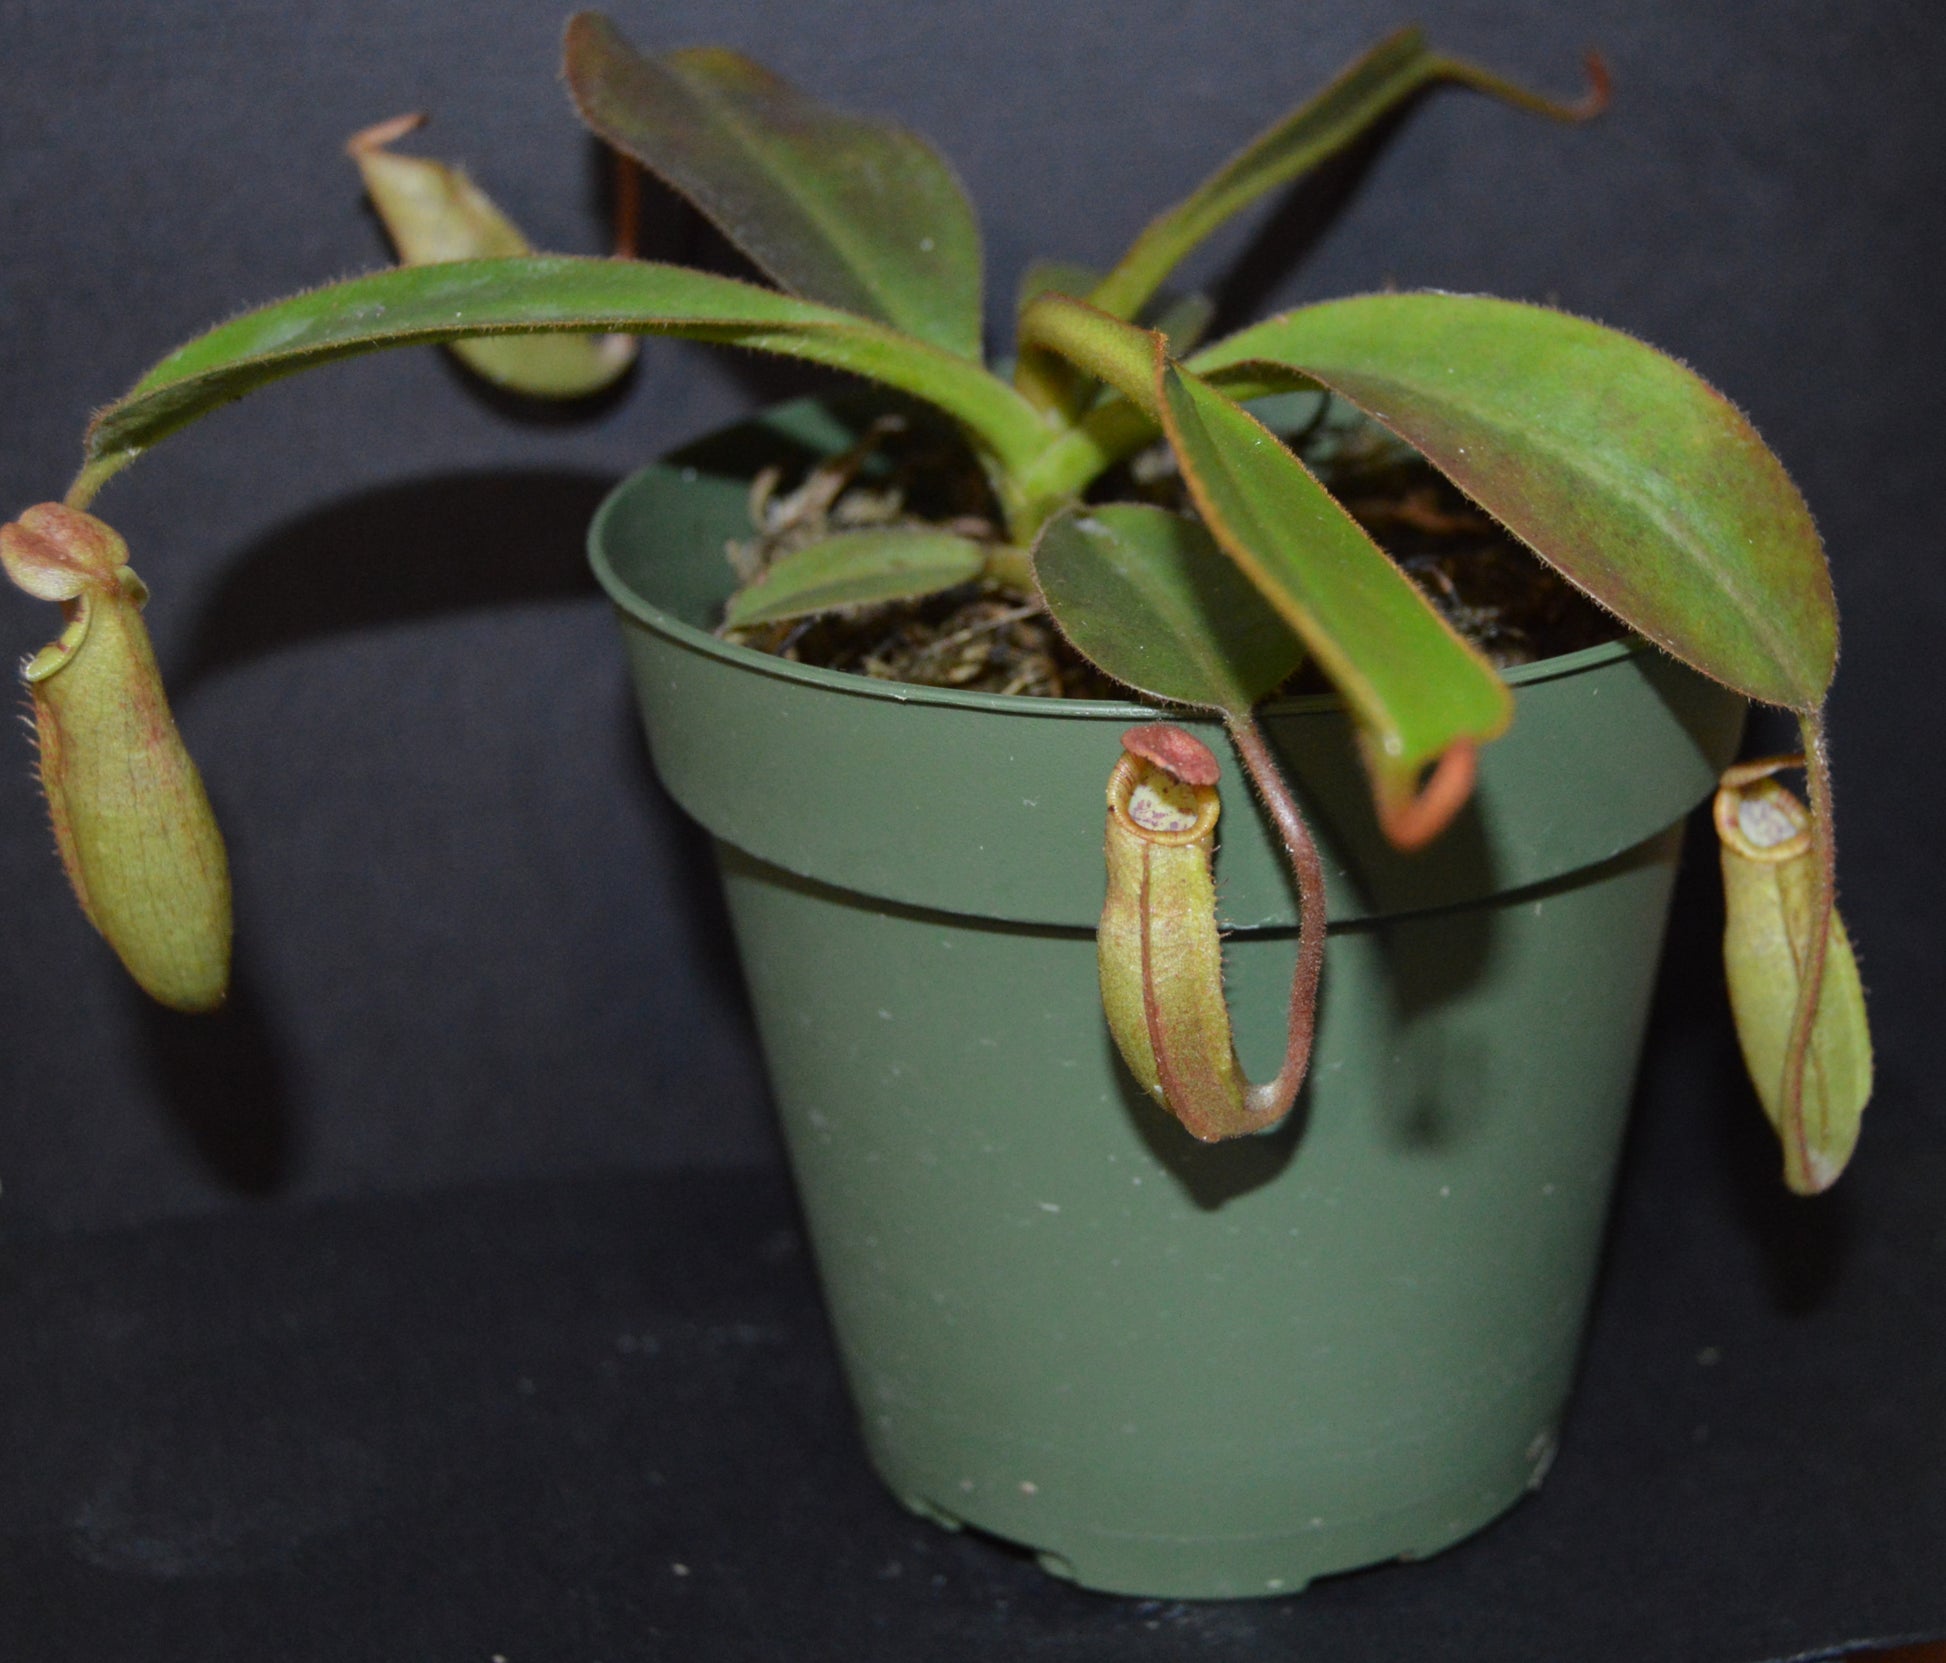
{"x":478,"y":947}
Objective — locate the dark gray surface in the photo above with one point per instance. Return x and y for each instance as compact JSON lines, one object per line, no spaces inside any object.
{"x":599,"y":1421}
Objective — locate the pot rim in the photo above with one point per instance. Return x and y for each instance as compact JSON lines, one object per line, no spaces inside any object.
{"x":986,"y":774}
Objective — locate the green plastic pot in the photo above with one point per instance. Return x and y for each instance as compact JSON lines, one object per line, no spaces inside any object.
{"x":1173,"y":1369}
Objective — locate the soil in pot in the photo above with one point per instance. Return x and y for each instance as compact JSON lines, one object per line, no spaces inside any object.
{"x":993,"y":638}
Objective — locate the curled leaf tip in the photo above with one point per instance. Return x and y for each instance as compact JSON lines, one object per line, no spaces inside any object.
{"x":381,"y":133}
{"x":1600,"y":87}
{"x":1412,"y":815}
{"x":131,"y":820}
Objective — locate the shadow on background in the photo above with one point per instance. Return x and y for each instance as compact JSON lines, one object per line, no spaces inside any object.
{"x":1298,"y":221}
{"x":1211,"y":1174}
{"x":409,"y":552}
{"x":227,"y":1087}
{"x":419,"y":549}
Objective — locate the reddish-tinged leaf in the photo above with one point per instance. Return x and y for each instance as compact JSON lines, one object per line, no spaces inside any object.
{"x":855,"y":213}
{"x":1416,"y":690}
{"x":1617,"y":465}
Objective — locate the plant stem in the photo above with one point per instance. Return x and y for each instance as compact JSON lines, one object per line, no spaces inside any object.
{"x":1817,"y":776}
{"x":1272,"y":1100}
{"x":87,"y":484}
{"x":1103,"y":437}
{"x":628,"y":206}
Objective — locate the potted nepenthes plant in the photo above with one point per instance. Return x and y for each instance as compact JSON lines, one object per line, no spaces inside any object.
{"x":1097,"y":1291}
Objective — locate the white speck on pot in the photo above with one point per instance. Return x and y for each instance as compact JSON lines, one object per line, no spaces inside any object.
{"x":1029,"y":1488}
{"x":678,"y":1568}
{"x":1050,"y":1206}
{"x":1709,"y":1357}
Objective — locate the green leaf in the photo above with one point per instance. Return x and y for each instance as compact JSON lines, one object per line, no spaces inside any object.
{"x":433,"y":213}
{"x":1415,"y":688}
{"x":415,"y":305}
{"x":1350,"y":107}
{"x":854,"y":213}
{"x":1150,"y":598}
{"x":857,"y":568}
{"x":1618,"y":466}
